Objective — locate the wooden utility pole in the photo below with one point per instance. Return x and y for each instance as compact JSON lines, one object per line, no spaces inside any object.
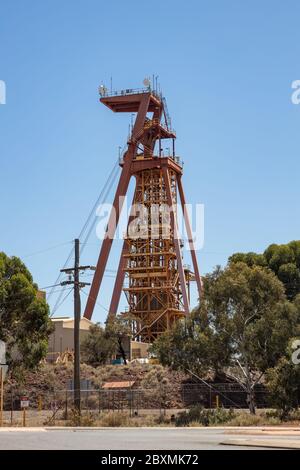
{"x":75,"y":281}
{"x":77,"y":312}
{"x":1,"y":395}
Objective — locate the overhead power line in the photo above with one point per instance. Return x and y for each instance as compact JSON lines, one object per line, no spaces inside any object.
{"x":97,"y":302}
{"x":46,"y":249}
{"x":49,"y":287}
{"x":99,"y":201}
{"x":65,"y":298}
{"x":88,"y":223}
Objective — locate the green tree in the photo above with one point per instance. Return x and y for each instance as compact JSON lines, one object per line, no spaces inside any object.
{"x":278,"y":255}
{"x":192,"y":346}
{"x":101,"y":344}
{"x":24,"y":317}
{"x":289,"y":275}
{"x":242,"y":326}
{"x":283,"y":380}
{"x":283,"y":260}
{"x":158,"y":385}
{"x":251,"y":259}
{"x":118,"y":329}
{"x":97,"y":347}
{"x":283,"y":383}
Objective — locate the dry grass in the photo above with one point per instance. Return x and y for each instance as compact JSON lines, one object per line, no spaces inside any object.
{"x":114,"y":420}
{"x":122,"y":419}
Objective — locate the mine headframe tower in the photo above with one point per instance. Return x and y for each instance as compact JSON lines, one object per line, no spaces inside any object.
{"x":157,"y":287}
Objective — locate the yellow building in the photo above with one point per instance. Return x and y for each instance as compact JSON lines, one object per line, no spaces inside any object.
{"x":62,"y":338}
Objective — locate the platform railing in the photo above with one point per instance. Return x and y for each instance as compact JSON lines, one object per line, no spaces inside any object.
{"x":104,"y":92}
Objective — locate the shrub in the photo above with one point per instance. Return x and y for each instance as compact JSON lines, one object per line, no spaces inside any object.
{"x":114,"y":419}
{"x":263,"y":419}
{"x":204,"y":417}
{"x":283,"y":385}
{"x":85,"y":419}
{"x":247,"y":419}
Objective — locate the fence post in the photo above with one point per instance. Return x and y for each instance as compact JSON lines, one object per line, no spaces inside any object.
{"x":66,"y":405}
{"x":130,"y":403}
{"x":87,"y":397}
{"x":40,"y":404}
{"x":54,"y":407}
{"x":11,"y":407}
{"x":160,"y":407}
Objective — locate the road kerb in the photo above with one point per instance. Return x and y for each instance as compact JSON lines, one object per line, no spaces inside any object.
{"x":275,"y":444}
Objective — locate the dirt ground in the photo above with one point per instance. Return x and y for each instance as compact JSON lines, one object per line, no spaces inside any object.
{"x":50,"y":382}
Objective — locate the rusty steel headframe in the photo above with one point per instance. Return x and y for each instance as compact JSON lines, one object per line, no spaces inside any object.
{"x":157,"y":290}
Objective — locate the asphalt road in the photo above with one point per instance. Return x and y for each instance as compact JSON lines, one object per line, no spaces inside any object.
{"x":118,"y":439}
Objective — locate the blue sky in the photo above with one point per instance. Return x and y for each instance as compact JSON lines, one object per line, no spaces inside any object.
{"x":226,"y":69}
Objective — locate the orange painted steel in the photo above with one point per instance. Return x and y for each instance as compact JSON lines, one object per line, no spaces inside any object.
{"x":156,"y":283}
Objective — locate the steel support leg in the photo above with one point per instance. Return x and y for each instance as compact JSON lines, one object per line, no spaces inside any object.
{"x":120,"y":274}
{"x":176,"y":240}
{"x":117,"y":207}
{"x":190,"y":235}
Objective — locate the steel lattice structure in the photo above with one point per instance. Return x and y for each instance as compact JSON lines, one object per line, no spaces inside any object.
{"x":157,"y":283}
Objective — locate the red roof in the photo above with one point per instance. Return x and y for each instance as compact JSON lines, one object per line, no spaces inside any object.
{"x":124,"y":384}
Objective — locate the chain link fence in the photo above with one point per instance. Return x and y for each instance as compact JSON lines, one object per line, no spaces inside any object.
{"x":59,"y":404}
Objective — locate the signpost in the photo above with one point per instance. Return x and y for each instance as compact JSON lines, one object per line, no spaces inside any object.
{"x":3,"y":370}
{"x":24,"y":404}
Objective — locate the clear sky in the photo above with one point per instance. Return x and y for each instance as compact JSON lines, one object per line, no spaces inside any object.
{"x":226,"y":69}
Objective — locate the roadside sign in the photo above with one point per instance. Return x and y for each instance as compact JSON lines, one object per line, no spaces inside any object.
{"x":24,"y":402}
{"x":2,"y":352}
{"x":3,"y":365}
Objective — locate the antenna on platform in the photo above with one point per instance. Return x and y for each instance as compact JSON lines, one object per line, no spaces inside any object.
{"x":146,"y":82}
{"x":102,"y":90}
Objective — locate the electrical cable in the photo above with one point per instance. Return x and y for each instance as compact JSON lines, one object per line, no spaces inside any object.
{"x":92,"y":212}
{"x":62,"y":289}
{"x":46,"y":249}
{"x":65,"y":298}
{"x":102,"y":196}
{"x":211,"y":386}
{"x":83,"y":245}
{"x":97,"y":302}
{"x":50,"y":287}
{"x":86,"y":224}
